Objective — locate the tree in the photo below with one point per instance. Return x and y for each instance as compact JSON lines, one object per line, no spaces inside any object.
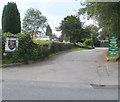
{"x":0,"y":31}
{"x":85,"y":33}
{"x":71,"y":28}
{"x":11,"y":19}
{"x":93,"y":32}
{"x":48,"y":30}
{"x":106,"y":13}
{"x":34,"y":21}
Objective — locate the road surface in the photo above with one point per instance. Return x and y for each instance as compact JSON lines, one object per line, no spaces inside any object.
{"x":69,"y":76}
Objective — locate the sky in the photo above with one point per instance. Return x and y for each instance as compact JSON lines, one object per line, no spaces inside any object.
{"x":54,"y":10}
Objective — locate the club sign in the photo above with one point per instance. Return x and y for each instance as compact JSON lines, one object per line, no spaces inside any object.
{"x":113,"y":45}
{"x":11,"y":44}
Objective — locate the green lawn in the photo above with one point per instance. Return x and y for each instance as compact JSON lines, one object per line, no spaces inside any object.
{"x":42,"y":41}
{"x":45,"y":42}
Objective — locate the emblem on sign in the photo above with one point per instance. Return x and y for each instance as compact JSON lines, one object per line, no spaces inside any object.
{"x":11,"y":44}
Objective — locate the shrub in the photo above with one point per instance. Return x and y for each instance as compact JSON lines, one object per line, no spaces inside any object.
{"x":88,"y":43}
{"x":24,"y":47}
{"x":28,"y":50}
{"x":56,"y":46}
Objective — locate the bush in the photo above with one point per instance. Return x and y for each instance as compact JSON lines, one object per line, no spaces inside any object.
{"x":24,"y":48}
{"x":56,"y":46}
{"x":28,"y":50}
{"x":88,"y":43}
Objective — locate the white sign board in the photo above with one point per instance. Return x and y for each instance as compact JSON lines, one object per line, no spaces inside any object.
{"x":11,"y":44}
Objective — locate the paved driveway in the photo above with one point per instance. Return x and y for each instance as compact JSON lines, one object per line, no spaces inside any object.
{"x":64,"y":76}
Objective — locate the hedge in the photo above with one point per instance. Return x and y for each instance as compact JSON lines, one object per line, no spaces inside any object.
{"x":28,"y":50}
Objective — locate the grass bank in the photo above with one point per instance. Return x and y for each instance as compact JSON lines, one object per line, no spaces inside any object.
{"x":112,"y":58}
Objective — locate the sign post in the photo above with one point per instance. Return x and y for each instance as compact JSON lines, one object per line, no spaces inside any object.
{"x":11,"y":44}
{"x":113,"y":45}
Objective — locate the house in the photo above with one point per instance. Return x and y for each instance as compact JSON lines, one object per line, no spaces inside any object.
{"x":53,"y":38}
{"x":47,"y":38}
{"x":104,"y":43}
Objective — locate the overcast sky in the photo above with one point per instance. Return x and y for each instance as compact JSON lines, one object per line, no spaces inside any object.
{"x":54,"y":10}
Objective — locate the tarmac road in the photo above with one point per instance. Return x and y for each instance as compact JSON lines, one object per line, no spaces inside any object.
{"x":69,"y":76}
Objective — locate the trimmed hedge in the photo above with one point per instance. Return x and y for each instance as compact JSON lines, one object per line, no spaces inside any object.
{"x":28,"y":50}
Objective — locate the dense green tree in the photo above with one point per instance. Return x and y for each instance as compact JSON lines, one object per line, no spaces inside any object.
{"x":86,"y":33}
{"x":11,"y":19}
{"x":93,"y":31}
{"x":0,"y":31}
{"x":48,"y":30}
{"x":106,"y":13}
{"x":71,"y":28}
{"x":34,"y":21}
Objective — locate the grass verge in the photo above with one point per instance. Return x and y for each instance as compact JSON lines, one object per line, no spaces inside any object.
{"x":113,"y":58}
{"x":69,"y":50}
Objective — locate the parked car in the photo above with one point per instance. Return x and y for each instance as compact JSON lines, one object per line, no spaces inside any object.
{"x":45,"y":38}
{"x":79,"y":44}
{"x":37,"y":38}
